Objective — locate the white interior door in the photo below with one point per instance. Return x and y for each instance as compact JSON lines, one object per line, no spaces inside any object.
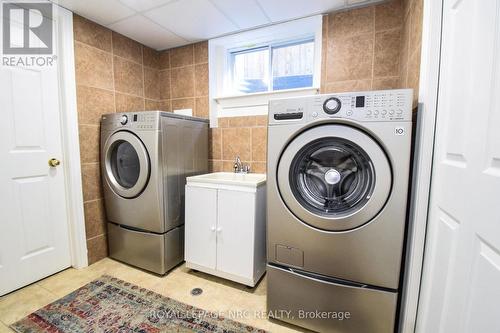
{"x":34,"y":239}
{"x":460,"y":285}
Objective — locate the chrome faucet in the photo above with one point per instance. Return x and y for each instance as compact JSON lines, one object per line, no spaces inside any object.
{"x":240,"y":167}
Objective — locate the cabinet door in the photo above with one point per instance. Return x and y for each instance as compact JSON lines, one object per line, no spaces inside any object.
{"x":235,"y":232}
{"x":201,"y":220}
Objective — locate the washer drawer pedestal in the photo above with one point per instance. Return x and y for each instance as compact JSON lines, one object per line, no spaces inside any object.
{"x":326,"y":306}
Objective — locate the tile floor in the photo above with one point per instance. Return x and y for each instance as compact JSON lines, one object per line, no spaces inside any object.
{"x":218,"y":295}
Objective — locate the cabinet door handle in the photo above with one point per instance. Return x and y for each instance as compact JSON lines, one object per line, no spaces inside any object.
{"x":212,"y":229}
{"x":219,"y":229}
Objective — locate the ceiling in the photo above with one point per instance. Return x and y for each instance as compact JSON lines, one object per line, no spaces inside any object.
{"x":163,"y":24}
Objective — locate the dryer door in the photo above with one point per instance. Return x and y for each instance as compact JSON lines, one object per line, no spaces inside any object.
{"x":334,"y":177}
{"x":127,"y":165}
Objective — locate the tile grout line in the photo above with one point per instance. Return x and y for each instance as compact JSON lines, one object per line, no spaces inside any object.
{"x":195,"y":112}
{"x":47,"y":290}
{"x":4,"y":323}
{"x":353,"y":81}
{"x":324,"y":74}
{"x":410,"y":18}
{"x":373,"y":50}
{"x":113,"y":74}
{"x":93,"y":200}
{"x":111,"y":53}
{"x":100,"y":235}
{"x":143,"y":81}
{"x":170,"y":80}
{"x":220,"y":143}
{"x":251,"y":143}
{"x":184,"y":66}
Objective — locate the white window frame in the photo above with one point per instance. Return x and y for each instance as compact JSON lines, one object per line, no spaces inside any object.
{"x":223,"y":101}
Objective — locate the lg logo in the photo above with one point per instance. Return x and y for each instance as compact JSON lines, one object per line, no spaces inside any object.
{"x":399,"y":131}
{"x":27,"y":28}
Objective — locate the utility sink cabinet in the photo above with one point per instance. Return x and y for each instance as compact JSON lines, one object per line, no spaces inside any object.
{"x":225,"y":225}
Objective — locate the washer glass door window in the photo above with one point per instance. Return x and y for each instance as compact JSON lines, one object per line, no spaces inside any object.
{"x":126,"y":164}
{"x":334,"y":177}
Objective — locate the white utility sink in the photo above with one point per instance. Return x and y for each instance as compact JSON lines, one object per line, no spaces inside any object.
{"x":230,"y":178}
{"x":225,"y":229}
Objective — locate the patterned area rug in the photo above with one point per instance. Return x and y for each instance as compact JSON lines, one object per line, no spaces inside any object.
{"x":111,"y":305}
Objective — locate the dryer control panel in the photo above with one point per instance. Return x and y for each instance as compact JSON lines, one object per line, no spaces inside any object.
{"x":148,"y":120}
{"x":381,"y":105}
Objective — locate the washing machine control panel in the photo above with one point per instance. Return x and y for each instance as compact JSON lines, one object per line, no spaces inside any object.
{"x":381,"y":105}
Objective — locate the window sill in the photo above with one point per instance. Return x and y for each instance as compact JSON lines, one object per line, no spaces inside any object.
{"x":268,"y":93}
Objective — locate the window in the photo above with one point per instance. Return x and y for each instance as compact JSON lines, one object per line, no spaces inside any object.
{"x":273,"y":67}
{"x":249,"y":68}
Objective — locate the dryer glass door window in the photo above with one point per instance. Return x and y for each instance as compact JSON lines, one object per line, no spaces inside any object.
{"x":332,"y":176}
{"x":127,"y":167}
{"x":125,"y":164}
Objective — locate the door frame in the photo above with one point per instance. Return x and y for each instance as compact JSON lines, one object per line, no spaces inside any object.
{"x":70,"y":137}
{"x":422,"y":164}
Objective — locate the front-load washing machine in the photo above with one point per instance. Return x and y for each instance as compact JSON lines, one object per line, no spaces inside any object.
{"x":337,"y":182}
{"x":145,"y":159}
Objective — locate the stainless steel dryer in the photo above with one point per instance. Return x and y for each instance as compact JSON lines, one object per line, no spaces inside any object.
{"x":145,"y":159}
{"x":337,"y":182}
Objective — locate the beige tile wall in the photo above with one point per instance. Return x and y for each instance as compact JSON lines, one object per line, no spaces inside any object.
{"x":361,"y":48}
{"x":242,"y":136}
{"x":411,"y":43}
{"x":184,"y":79}
{"x":117,"y":74}
{"x":113,"y":74}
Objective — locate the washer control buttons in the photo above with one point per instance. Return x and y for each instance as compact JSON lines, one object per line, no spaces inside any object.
{"x":332,"y":105}
{"x":123,"y":119}
{"x":384,"y":112}
{"x":314,"y":114}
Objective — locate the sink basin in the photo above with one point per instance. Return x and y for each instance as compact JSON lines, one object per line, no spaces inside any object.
{"x":230,"y":178}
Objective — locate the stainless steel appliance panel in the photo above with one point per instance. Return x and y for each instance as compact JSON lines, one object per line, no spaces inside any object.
{"x":172,"y":170}
{"x":185,"y":154}
{"x":157,"y":253}
{"x":326,"y":306}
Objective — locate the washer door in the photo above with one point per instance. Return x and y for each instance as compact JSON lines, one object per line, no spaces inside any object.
{"x":126,"y":164}
{"x":334,"y":177}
